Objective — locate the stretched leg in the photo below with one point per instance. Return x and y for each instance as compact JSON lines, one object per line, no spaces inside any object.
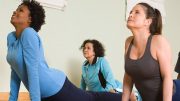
{"x":69,"y":92}
{"x":107,"y":96}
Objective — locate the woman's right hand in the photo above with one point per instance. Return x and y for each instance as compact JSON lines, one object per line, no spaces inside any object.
{"x":112,"y":91}
{"x":133,"y":97}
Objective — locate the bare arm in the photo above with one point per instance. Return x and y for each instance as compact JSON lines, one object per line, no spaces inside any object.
{"x":127,"y":87}
{"x":127,"y":81}
{"x":133,"y":96}
{"x":163,"y":53}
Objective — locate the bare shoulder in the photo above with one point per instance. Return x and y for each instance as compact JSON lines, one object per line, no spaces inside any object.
{"x":160,"y":47}
{"x":160,"y":41}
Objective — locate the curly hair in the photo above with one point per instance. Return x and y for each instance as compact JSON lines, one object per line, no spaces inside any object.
{"x":37,"y":14}
{"x":97,"y":46}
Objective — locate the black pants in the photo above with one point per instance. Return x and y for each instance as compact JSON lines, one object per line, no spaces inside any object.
{"x":69,"y":92}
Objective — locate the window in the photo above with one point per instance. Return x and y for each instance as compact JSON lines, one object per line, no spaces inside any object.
{"x":57,"y":4}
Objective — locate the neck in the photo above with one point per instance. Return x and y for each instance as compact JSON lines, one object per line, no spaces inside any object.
{"x":19,"y":30}
{"x":90,"y":60}
{"x":140,"y":37}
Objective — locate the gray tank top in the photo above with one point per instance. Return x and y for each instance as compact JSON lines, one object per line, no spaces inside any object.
{"x":145,"y":73}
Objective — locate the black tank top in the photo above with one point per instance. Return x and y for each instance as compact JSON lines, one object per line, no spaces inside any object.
{"x":145,"y":73}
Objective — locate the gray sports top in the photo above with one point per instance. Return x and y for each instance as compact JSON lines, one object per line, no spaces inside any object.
{"x":145,"y":73}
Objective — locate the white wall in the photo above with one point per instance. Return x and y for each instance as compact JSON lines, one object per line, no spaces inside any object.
{"x":64,"y":32}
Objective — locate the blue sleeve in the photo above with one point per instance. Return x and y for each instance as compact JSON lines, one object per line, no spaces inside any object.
{"x":83,"y":84}
{"x":30,"y":43}
{"x":108,"y":75}
{"x":14,"y":86}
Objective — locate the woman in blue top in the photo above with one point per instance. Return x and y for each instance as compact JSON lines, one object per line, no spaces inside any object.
{"x":28,"y":65}
{"x":94,"y":52}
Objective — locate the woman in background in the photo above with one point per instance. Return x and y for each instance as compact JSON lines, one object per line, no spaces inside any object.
{"x":93,"y":51}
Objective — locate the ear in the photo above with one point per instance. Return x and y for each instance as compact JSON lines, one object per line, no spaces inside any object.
{"x":148,"y":21}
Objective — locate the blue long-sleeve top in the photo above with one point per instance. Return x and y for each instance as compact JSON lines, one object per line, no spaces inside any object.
{"x":90,"y":79}
{"x":26,"y":58}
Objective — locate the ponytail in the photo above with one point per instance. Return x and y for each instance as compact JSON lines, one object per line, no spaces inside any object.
{"x":155,"y":15}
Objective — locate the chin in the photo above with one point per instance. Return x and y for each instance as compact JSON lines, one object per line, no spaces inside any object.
{"x":85,"y":56}
{"x":128,"y":26}
{"x":12,"y":21}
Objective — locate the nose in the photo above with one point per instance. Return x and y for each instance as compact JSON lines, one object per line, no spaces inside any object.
{"x":130,"y":15}
{"x":84,"y":49}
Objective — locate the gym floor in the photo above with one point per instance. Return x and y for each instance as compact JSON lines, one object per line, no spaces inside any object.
{"x":23,"y":96}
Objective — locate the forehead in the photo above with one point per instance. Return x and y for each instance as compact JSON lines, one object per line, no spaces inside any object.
{"x":24,"y":7}
{"x":89,"y":44}
{"x":138,"y":7}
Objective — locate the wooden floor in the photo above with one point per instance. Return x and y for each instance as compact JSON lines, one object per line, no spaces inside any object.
{"x":23,"y":96}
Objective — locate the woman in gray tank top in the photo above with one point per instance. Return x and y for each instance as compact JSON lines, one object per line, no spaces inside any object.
{"x":147,"y":56}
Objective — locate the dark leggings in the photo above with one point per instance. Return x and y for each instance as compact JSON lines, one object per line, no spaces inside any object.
{"x":69,"y":92}
{"x":176,"y":95}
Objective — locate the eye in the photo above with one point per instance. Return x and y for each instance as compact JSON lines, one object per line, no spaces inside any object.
{"x":17,"y":9}
{"x":137,"y":12}
{"x":20,"y":10}
{"x":130,"y":12}
{"x":84,"y":48}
